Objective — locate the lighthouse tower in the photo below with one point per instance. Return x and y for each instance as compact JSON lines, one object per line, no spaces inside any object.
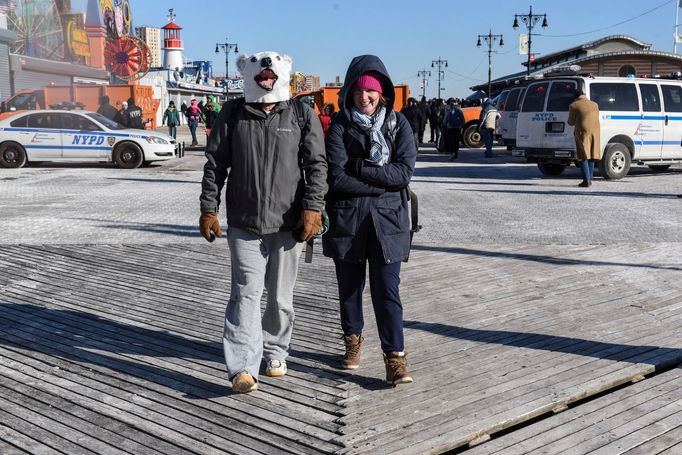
{"x":172,"y":44}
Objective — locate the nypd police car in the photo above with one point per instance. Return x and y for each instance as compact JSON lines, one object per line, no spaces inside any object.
{"x":57,"y":135}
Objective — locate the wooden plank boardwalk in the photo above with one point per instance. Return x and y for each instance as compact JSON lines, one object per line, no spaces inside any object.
{"x":116,"y":349}
{"x":645,"y":418}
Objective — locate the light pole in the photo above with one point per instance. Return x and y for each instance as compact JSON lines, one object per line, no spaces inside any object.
{"x":423,"y":74}
{"x":226,"y":47}
{"x":530,"y":20}
{"x":490,"y":39}
{"x":439,"y":63}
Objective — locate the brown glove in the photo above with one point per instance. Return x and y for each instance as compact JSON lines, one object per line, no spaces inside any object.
{"x":208,"y":225}
{"x":308,"y":225}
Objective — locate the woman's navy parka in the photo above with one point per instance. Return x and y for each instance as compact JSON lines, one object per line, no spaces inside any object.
{"x":377,"y":197}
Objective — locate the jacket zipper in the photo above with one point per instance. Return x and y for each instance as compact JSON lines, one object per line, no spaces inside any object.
{"x":266,"y":160}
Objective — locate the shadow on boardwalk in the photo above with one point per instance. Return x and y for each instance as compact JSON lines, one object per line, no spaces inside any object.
{"x":83,"y":337}
{"x":553,"y":343}
{"x":542,"y":259}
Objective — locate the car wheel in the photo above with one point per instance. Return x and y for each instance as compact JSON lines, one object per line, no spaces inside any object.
{"x":551,"y":169}
{"x":615,"y":164}
{"x":128,"y":156}
{"x":472,"y":138}
{"x":12,"y":155}
{"x":659,"y":167}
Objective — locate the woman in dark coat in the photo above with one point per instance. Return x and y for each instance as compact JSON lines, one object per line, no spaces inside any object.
{"x":371,"y":155}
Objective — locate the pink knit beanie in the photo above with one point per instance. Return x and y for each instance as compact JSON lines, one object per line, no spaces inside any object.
{"x":371,"y":80}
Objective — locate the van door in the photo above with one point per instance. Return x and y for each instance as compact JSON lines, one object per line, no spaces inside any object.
{"x":620,"y":114}
{"x":649,"y":137}
{"x":558,"y":135}
{"x":504,"y":123}
{"x":672,"y":122}
{"x":530,"y":123}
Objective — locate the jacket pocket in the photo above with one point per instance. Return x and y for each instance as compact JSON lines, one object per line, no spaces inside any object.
{"x":390,"y":220}
{"x":343,"y":218}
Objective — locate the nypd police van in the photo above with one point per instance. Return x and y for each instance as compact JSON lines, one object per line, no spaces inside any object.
{"x":58,"y":135}
{"x":640,"y":118}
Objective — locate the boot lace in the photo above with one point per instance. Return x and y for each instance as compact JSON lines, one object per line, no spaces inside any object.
{"x":398,"y":365}
{"x":352,"y":347}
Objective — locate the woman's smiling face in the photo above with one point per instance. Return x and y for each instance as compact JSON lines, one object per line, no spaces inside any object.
{"x":366,"y":101}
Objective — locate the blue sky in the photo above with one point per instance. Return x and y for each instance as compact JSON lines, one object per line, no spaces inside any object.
{"x":322,"y":36}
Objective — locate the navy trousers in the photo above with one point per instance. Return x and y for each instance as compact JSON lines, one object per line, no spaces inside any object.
{"x":384,"y":282}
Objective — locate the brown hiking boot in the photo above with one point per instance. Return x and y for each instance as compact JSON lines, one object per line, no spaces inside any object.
{"x":351,"y":359}
{"x":396,"y":368}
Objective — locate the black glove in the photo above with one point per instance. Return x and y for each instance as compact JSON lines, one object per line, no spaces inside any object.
{"x":354,"y":166}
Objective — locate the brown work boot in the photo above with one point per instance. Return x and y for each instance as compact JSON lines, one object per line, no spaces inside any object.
{"x":396,"y":368}
{"x":351,"y":359}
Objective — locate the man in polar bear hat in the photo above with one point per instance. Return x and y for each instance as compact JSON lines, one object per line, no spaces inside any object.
{"x":270,"y":149}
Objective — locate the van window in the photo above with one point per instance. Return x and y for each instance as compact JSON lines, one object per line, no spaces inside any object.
{"x":535,"y":98}
{"x":651,"y":101}
{"x":512,"y":100}
{"x":672,"y":97}
{"x":500,"y":100}
{"x":614,"y":96}
{"x":561,"y":95}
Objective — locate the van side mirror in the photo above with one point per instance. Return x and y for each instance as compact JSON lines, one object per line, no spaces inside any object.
{"x":3,"y":107}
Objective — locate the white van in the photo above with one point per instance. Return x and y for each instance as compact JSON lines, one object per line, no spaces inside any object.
{"x":509,"y":111}
{"x":641,"y":122}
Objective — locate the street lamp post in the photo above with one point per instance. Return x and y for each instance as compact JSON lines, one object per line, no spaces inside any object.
{"x":423,"y":74}
{"x":529,"y":20}
{"x":439,"y":64}
{"x":226,"y":47}
{"x":490,"y":39}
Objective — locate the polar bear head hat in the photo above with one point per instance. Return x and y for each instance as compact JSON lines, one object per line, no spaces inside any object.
{"x":266,"y":76}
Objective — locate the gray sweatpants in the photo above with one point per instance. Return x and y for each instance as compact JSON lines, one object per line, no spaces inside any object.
{"x":269,"y":260}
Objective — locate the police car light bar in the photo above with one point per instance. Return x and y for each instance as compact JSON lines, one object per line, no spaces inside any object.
{"x":68,"y":106}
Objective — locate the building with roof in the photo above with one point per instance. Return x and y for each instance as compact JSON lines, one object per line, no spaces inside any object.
{"x":152,"y":38}
{"x":615,"y":55}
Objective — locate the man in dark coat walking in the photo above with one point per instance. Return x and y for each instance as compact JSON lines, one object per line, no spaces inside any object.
{"x":106,"y":109}
{"x":415,"y":117}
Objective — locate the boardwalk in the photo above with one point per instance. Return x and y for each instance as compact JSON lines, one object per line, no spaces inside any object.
{"x":116,"y":349}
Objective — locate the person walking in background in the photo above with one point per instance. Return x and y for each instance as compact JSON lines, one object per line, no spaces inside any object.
{"x":210,"y":116}
{"x":183,"y":113}
{"x":193,"y":119}
{"x":326,"y":117}
{"x":453,"y":122}
{"x":425,"y":108}
{"x":583,"y":116}
{"x":271,"y":151}
{"x":436,"y":114}
{"x":171,"y":117}
{"x":120,"y":117}
{"x":106,"y":109}
{"x":371,"y":152}
{"x":487,"y":124}
{"x":415,"y":117}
